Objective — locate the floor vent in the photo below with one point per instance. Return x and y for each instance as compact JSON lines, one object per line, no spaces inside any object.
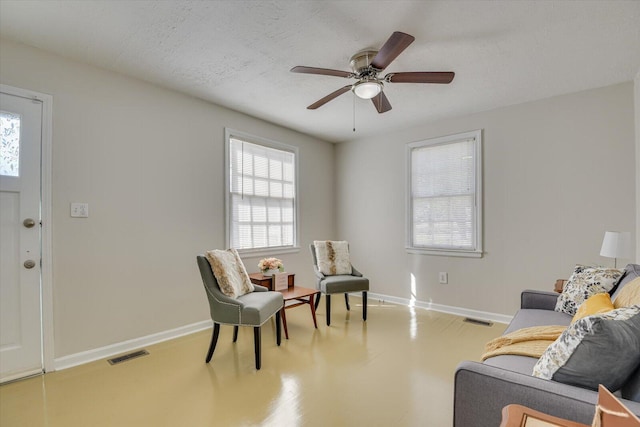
{"x":478,"y":322}
{"x":127,"y":356}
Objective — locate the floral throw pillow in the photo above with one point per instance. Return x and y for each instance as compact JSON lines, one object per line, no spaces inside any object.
{"x":598,"y":349}
{"x":583,"y":283}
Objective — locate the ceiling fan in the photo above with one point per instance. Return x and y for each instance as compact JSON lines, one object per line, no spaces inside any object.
{"x":366,"y":66}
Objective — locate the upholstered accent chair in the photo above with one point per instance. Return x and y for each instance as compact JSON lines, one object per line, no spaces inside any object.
{"x":252,"y":309}
{"x":339,"y":284}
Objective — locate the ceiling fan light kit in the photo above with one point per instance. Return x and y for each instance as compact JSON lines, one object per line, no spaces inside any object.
{"x":367,"y":89}
{"x":366,"y":66}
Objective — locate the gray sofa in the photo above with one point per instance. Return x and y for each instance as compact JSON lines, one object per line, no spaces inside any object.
{"x":483,"y":389}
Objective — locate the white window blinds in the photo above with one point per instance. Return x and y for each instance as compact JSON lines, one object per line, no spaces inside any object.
{"x":444,"y":208}
{"x":262,"y":196}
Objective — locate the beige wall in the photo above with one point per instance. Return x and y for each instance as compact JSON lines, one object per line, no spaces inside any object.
{"x":637,"y":116}
{"x":558,"y":173}
{"x":149,"y":162}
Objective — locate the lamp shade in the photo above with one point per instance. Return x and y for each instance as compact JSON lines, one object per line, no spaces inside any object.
{"x":616,"y":244}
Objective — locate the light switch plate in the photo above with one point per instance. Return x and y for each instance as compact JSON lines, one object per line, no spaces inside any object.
{"x":443,"y":277}
{"x":80,"y":210}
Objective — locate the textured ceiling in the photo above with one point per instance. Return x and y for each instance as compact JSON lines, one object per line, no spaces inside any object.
{"x":238,"y":53}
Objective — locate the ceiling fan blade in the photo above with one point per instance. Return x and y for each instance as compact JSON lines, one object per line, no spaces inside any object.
{"x":321,"y":71}
{"x":329,"y":97}
{"x":381,"y":103}
{"x":391,"y":49}
{"x":443,"y":77}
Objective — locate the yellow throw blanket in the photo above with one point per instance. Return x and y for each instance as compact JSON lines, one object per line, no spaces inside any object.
{"x":531,"y":342}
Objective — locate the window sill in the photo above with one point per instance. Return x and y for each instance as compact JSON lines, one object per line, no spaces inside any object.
{"x":268,"y":251}
{"x":444,"y":252}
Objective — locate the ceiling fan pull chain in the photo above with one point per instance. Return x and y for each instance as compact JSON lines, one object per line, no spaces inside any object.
{"x":354,"y":112}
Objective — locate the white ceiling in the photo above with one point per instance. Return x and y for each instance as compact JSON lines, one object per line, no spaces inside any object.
{"x":238,"y":53}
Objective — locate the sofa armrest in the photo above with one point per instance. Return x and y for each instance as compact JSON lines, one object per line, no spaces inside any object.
{"x":541,"y":300}
{"x":481,"y":391}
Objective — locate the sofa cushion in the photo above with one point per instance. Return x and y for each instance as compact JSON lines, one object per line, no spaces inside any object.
{"x":525,"y":318}
{"x":600,"y":349}
{"x":629,"y":295}
{"x":521,"y":364}
{"x":584,"y":282}
{"x":631,"y":389}
{"x":631,"y":272}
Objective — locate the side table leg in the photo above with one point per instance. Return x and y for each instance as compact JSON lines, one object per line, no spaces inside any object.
{"x":284,"y":322}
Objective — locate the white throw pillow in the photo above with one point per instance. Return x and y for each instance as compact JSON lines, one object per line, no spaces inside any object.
{"x":333,"y":257}
{"x":230,"y":273}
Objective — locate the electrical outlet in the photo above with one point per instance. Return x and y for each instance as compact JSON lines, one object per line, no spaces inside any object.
{"x":443,"y":277}
{"x":80,"y":210}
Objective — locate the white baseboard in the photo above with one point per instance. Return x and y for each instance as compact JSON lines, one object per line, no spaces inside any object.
{"x":126,"y":346}
{"x":137,"y":343}
{"x":458,"y":311}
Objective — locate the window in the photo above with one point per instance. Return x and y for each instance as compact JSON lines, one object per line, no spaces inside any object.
{"x":261,"y":194}
{"x":9,"y":144}
{"x":444,"y":195}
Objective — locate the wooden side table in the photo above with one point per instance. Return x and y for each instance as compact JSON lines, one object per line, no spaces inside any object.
{"x":299,"y":296}
{"x":521,"y":416}
{"x":267,"y":281}
{"x":559,"y":286}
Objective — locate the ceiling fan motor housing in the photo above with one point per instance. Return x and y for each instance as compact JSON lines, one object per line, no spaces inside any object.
{"x":361,"y":63}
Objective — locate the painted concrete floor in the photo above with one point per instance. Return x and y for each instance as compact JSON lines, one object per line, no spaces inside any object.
{"x":395,"y":369}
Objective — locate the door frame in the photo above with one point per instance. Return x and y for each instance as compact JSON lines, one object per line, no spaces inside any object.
{"x":46,"y":273}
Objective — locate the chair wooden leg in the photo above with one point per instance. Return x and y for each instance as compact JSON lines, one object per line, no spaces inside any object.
{"x":278,"y":331}
{"x":318,"y":300}
{"x":346,"y":301}
{"x":214,"y":340}
{"x":328,"y":297}
{"x":256,"y":343}
{"x":235,"y":333}
{"x":364,"y":305}
{"x":313,"y":312}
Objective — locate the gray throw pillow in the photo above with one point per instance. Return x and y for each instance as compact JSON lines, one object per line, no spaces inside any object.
{"x":599,"y":349}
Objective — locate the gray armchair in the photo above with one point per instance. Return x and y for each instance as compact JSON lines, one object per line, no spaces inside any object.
{"x":252,"y":309}
{"x":339,"y":284}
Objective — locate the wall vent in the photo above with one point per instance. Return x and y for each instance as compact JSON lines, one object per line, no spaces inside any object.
{"x":478,"y":321}
{"x":127,"y":356}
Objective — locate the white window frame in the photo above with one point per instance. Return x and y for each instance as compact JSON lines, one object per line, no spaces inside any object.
{"x":234,"y":134}
{"x":476,"y":251}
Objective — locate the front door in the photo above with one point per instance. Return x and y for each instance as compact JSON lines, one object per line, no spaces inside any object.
{"x":20,"y":237}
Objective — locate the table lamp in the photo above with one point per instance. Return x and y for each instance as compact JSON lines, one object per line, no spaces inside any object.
{"x":616,"y":244}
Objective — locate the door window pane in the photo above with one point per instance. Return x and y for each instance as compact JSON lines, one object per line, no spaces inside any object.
{"x":9,"y":144}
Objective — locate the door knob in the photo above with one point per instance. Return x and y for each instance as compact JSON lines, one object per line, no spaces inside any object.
{"x":29,"y":222}
{"x":29,"y":263}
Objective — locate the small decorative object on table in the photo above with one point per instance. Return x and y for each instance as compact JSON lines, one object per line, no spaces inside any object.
{"x":281,"y":281}
{"x":270,"y":266}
